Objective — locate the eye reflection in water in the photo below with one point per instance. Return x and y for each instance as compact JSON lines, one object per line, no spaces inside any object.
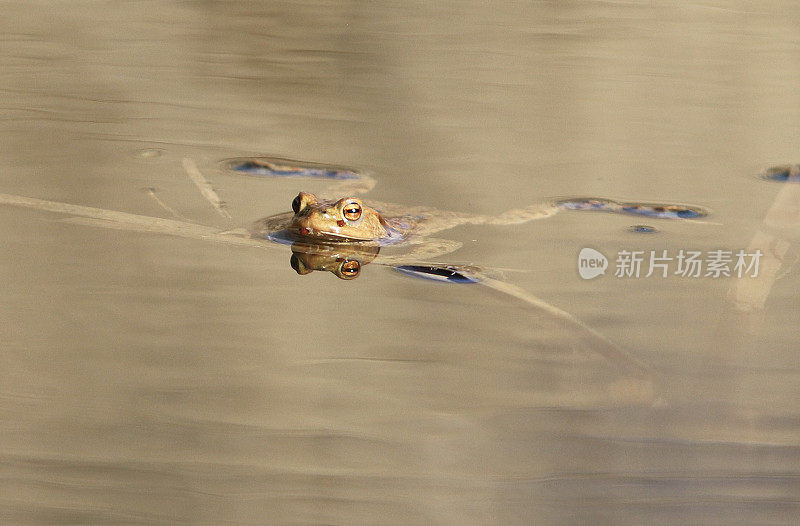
{"x":343,"y":260}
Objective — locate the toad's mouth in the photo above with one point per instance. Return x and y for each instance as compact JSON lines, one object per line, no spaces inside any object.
{"x":327,"y":234}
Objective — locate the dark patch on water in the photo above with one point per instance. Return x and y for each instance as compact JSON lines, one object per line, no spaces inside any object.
{"x":785,"y":173}
{"x":444,"y":273}
{"x":660,"y":211}
{"x":587,"y":203}
{"x":277,"y":167}
{"x":663,"y":211}
{"x":643,"y":229}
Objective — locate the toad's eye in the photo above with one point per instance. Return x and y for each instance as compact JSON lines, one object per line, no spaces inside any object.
{"x":351,"y":211}
{"x":350,"y":269}
{"x":296,"y":204}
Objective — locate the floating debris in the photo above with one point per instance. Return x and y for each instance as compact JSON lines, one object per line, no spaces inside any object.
{"x":205,"y":187}
{"x":663,"y":211}
{"x":643,"y":229}
{"x":151,"y":191}
{"x":149,"y":153}
{"x":587,"y":203}
{"x":785,"y":173}
{"x":444,"y":273}
{"x":660,"y":211}
{"x":275,"y":167}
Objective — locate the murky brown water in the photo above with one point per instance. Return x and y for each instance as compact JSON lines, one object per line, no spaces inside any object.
{"x":149,"y":379}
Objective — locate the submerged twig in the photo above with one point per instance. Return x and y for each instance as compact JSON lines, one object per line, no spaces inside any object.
{"x":100,"y":217}
{"x":606,"y":347}
{"x":174,"y":213}
{"x":205,"y":187}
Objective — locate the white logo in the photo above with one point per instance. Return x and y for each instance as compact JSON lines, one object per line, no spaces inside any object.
{"x":591,"y":263}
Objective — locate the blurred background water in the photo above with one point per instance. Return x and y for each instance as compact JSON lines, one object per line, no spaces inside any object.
{"x":147,"y":379}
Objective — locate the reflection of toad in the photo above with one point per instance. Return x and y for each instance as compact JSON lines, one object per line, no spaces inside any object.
{"x":341,"y":259}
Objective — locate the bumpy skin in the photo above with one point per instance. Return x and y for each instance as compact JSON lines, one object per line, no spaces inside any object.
{"x":315,"y":218}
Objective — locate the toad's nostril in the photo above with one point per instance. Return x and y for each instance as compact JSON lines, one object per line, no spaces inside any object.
{"x":340,"y":223}
{"x":305,"y":231}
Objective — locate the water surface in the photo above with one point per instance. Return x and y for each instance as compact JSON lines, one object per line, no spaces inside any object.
{"x":148,"y":379}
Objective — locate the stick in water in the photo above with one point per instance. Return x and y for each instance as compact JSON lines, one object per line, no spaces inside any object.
{"x":204,"y":186}
{"x":177,"y":215}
